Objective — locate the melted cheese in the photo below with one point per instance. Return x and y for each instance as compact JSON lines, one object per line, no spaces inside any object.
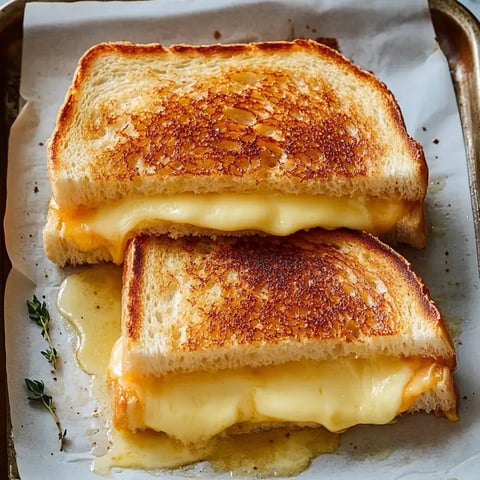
{"x":338,"y":394}
{"x":114,"y":223}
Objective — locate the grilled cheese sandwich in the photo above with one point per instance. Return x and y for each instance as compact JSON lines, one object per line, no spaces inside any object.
{"x":266,"y":137}
{"x":309,"y":329}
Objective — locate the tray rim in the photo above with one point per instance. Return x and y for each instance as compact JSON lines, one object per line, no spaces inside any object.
{"x":467,"y":89}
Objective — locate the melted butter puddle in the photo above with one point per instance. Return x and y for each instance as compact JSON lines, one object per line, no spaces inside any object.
{"x":277,"y":452}
{"x":91,"y":301}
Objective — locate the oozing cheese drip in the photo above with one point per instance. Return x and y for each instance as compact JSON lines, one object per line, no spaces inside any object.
{"x":111,"y":225}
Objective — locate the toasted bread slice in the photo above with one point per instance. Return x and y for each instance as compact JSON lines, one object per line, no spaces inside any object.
{"x":296,"y":116}
{"x":253,"y":300}
{"x":285,"y":118}
{"x":242,"y":309}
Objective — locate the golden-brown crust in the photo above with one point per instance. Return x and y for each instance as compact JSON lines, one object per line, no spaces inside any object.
{"x":312,"y":285}
{"x":219,"y":132}
{"x":133,"y":276}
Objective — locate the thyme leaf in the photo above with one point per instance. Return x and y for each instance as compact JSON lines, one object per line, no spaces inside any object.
{"x":36,"y":388}
{"x":38,"y":312}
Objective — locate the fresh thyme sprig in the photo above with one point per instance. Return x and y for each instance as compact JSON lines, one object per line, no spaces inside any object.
{"x":37,"y":389}
{"x":38,"y":312}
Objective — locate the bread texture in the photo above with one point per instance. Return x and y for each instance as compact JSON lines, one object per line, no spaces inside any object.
{"x":294,"y":118}
{"x":194,"y":303}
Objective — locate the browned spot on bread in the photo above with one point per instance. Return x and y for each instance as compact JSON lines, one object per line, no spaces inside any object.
{"x":199,"y":135}
{"x":285,"y":290}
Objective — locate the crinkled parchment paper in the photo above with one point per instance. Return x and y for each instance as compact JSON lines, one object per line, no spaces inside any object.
{"x":396,"y":41}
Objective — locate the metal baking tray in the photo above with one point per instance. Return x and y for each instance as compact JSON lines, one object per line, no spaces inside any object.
{"x":458,"y":34}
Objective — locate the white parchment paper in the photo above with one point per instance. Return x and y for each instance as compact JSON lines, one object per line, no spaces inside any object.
{"x":396,"y":41}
